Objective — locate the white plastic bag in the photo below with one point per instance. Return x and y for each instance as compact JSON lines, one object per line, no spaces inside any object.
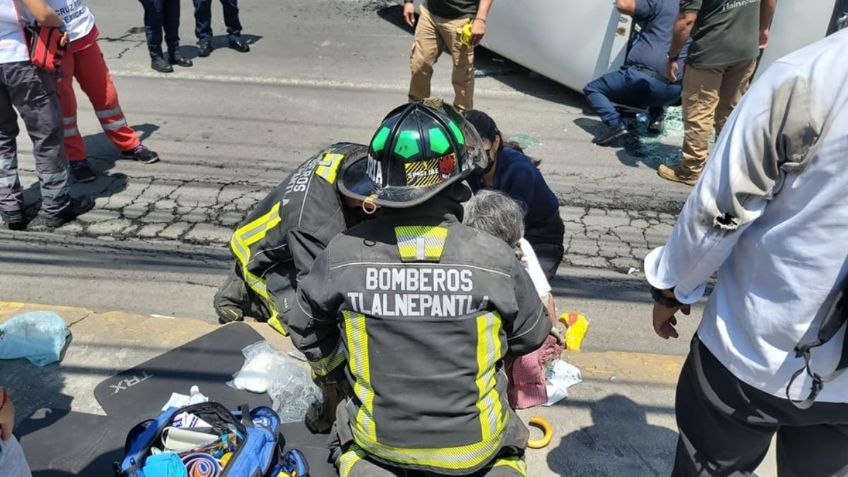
{"x":287,"y":381}
{"x":38,"y":336}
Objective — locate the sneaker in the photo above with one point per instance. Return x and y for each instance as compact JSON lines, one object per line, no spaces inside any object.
{"x":77,"y":207}
{"x":676,"y":174}
{"x":82,"y":171}
{"x":159,"y":64}
{"x":14,"y":220}
{"x":611,"y":135}
{"x":141,"y":154}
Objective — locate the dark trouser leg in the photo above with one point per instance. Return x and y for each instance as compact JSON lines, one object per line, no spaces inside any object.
{"x":231,"y":18}
{"x":172,"y":24}
{"x":726,"y":426}
{"x":602,"y":92}
{"x":33,"y":95}
{"x":203,"y":19}
{"x":154,"y":21}
{"x":11,"y":194}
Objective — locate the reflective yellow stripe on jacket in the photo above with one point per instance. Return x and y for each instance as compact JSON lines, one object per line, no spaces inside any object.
{"x":240,"y":243}
{"x":493,"y":420}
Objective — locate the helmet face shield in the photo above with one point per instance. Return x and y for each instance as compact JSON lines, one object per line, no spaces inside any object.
{"x":476,"y":155}
{"x":416,"y":152}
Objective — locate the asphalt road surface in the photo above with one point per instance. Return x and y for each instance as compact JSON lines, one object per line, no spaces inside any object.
{"x":323,"y":71}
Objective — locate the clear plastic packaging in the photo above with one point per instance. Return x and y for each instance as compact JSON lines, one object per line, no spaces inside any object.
{"x":38,"y":336}
{"x":287,"y":381}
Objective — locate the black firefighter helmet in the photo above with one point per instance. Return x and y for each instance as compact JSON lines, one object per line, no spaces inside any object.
{"x":416,"y":152}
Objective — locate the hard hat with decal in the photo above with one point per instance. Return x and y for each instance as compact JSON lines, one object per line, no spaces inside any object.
{"x":416,"y":152}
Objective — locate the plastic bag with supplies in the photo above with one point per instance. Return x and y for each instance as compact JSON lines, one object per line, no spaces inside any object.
{"x":287,"y":381}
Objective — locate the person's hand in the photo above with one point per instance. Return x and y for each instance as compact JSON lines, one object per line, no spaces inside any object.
{"x":7,"y":420}
{"x":63,"y":42}
{"x":409,"y":13}
{"x":764,"y":38}
{"x":478,"y":29}
{"x":671,"y":71}
{"x":556,"y":332}
{"x":664,"y":319}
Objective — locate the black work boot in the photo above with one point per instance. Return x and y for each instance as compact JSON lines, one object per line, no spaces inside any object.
{"x":82,"y":171}
{"x":239,"y":45}
{"x":75,"y":208}
{"x":177,"y":58}
{"x":14,"y":220}
{"x":159,"y":64}
{"x":204,"y":48}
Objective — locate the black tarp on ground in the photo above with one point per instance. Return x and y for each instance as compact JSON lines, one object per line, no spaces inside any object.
{"x":89,"y":444}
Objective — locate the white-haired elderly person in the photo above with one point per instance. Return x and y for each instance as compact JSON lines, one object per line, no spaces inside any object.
{"x":499,"y":215}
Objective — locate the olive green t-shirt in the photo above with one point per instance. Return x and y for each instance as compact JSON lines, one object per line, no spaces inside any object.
{"x":452,"y":9}
{"x":726,"y":31}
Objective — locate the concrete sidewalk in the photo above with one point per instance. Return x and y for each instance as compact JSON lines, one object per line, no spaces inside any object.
{"x":618,"y":422}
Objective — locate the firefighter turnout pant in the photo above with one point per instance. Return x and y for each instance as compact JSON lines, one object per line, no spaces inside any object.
{"x":89,"y":68}
{"x":355,"y":463}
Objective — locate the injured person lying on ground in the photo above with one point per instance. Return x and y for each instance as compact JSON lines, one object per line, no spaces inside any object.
{"x":428,"y":394}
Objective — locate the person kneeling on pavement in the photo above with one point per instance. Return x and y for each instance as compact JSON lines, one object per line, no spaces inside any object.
{"x":511,"y":171}
{"x":417,"y":311}
{"x":276,"y":244}
{"x":641,"y":82}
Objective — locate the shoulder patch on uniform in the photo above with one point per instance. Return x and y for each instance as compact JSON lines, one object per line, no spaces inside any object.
{"x":421,"y":243}
{"x":328,"y":167}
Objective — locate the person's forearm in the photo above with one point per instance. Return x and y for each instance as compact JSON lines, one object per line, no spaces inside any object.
{"x":767,"y":8}
{"x":483,"y":9}
{"x":682,"y":31}
{"x":43,"y":14}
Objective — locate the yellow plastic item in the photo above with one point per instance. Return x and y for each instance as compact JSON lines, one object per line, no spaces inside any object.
{"x":576,"y":326}
{"x":225,"y":458}
{"x":547,"y":433}
{"x":465,"y":34}
{"x":283,"y":473}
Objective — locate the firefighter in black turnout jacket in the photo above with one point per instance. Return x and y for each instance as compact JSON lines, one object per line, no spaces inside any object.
{"x":277,"y":242}
{"x":418,"y":311}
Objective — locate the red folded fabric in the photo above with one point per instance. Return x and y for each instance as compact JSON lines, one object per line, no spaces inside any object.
{"x":527,"y":375}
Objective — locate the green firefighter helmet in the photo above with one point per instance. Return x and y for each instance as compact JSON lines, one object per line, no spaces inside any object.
{"x":416,"y":152}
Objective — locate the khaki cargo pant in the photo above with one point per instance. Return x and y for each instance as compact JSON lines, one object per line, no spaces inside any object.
{"x":354,"y":463}
{"x":709,"y":96}
{"x":433,"y":35}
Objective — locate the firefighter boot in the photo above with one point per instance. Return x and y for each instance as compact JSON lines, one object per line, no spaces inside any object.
{"x":321,"y":416}
{"x":230,"y":300}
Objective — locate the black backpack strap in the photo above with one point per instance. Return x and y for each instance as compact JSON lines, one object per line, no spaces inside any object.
{"x":835,"y":319}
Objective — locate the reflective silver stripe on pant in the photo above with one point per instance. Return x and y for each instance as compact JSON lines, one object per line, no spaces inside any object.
{"x":71,"y":132}
{"x":68,"y":120}
{"x":47,"y":180}
{"x":115,"y":126}
{"x":108,"y":113}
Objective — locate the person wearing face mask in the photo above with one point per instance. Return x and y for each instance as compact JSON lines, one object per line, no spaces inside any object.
{"x":512,"y":172}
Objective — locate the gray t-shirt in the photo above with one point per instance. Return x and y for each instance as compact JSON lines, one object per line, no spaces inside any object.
{"x":452,"y":8}
{"x":725,"y":33}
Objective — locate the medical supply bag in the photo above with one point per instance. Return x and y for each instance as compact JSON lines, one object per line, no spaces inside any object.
{"x":204,"y":439}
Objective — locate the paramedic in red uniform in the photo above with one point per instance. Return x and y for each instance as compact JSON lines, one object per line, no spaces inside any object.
{"x":84,"y":61}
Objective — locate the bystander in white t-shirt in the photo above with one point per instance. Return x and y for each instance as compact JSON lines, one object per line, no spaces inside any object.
{"x":12,"y":41}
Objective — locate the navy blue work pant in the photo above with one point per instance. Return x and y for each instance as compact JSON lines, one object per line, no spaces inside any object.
{"x":161,"y":15}
{"x":631,"y":87}
{"x":203,"y":19}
